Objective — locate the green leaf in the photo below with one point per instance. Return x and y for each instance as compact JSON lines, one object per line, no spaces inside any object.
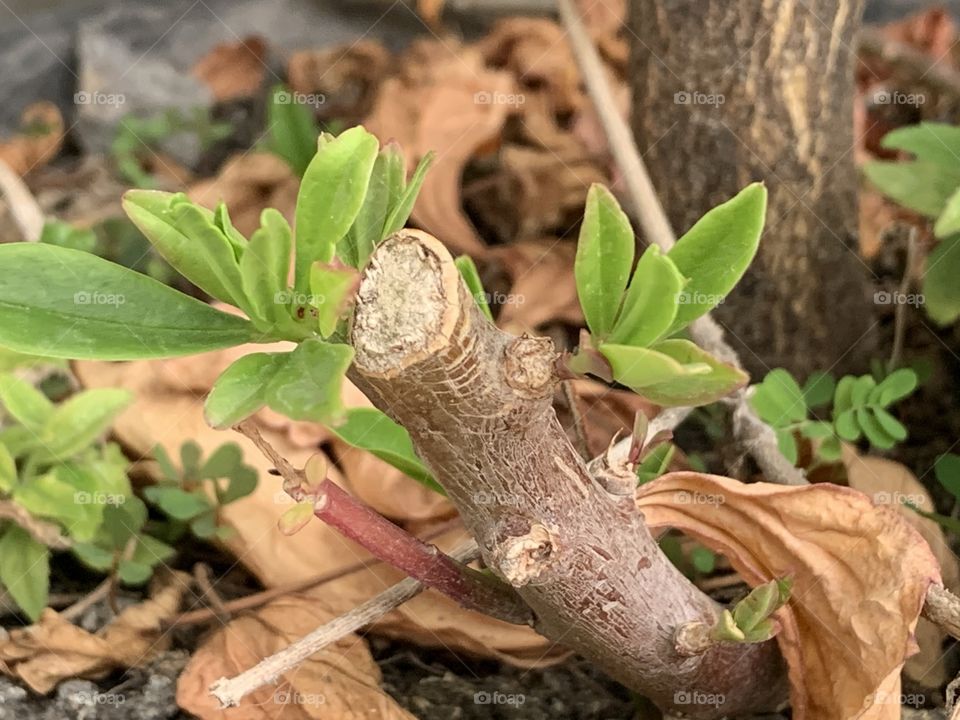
{"x":294,"y":519}
{"x":726,"y":629}
{"x":703,"y":560}
{"x":8,"y":470}
{"x":921,"y":185}
{"x":133,"y":573}
{"x":93,"y":556}
{"x":778,"y":400}
{"x":760,"y":604}
{"x":818,"y":389}
{"x":204,"y":526}
{"x":66,"y":303}
{"x":843,"y":395}
{"x":941,"y":291}
{"x":307,"y":386}
{"x":176,"y":502}
{"x":929,"y":141}
{"x":63,"y":234}
{"x":656,"y":463}
{"x":400,"y":212}
{"x":471,"y":277}
{"x":787,"y":444}
{"x":24,"y":402}
{"x":872,"y":428}
{"x":293,"y":130}
{"x":190,"y":453}
{"x":166,"y":465}
{"x":122,"y":522}
{"x":371,"y":430}
{"x":222,"y":462}
{"x":79,"y":421}
{"x":896,"y":386}
{"x":847,"y":426}
{"x":264,"y":268}
{"x":332,"y":290}
{"x":222,"y":221}
{"x":331,"y":195}
{"x":673,"y":372}
{"x":188,"y":238}
{"x":367,"y":229}
{"x":816,"y":430}
{"x":947,"y":470}
{"x":715,"y":253}
{"x":862,"y":387}
{"x":830,"y":449}
{"x":241,"y":483}
{"x":242,"y":388}
{"x":651,"y":302}
{"x":891,"y":426}
{"x":25,"y":570}
{"x":151,"y":551}
{"x":604,"y":255}
{"x":949,"y":221}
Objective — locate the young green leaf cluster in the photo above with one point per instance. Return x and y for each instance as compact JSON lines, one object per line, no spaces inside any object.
{"x":183,"y":497}
{"x":929,"y":185}
{"x":861,"y":408}
{"x":751,"y":621}
{"x":632,"y":317}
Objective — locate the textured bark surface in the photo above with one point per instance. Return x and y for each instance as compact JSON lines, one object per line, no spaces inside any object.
{"x":477,"y":404}
{"x":726,"y":93}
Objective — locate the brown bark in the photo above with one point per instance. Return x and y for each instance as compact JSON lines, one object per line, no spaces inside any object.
{"x":726,"y":93}
{"x":477,"y":404}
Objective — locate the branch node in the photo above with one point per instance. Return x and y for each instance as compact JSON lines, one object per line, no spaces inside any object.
{"x":529,"y":366}
{"x":524,"y":558}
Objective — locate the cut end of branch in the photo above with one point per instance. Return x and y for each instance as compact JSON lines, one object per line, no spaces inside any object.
{"x":522,"y":559}
{"x":222,"y":690}
{"x":407,"y":305}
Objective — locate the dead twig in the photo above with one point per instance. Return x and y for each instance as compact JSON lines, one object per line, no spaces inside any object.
{"x":900,"y":313}
{"x":24,"y":208}
{"x":230,"y":691}
{"x":45,"y":533}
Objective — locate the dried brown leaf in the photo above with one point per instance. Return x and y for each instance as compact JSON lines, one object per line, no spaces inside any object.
{"x":39,"y":140}
{"x":341,"y":681}
{"x":248,"y":184}
{"x":347,"y":76}
{"x":233,"y":70}
{"x":53,"y":649}
{"x":860,"y":574}
{"x":890,"y":483}
{"x":444,"y":99}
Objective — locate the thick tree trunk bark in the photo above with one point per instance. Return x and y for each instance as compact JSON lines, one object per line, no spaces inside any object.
{"x":726,"y":92}
{"x":477,"y":404}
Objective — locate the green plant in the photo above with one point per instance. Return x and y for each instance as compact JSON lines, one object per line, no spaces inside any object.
{"x":55,"y":468}
{"x":929,"y":185}
{"x":860,"y":408}
{"x":184,"y":495}
{"x":136,"y":136}
{"x":632,"y":323}
{"x":292,"y":129}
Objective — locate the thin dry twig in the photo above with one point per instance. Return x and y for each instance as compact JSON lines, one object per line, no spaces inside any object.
{"x":900,"y":313}
{"x":201,"y":576}
{"x":231,"y":691}
{"x":24,"y":208}
{"x":78,"y":608}
{"x":43,"y":532}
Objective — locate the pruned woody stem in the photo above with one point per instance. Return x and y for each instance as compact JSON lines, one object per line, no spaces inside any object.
{"x":477,"y":404}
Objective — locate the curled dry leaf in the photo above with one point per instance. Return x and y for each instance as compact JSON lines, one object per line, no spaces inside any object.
{"x":444,"y":99}
{"x":248,"y":184}
{"x":890,"y":483}
{"x":233,"y":70}
{"x":347,"y":76}
{"x":542,"y":285}
{"x":54,"y":649}
{"x":860,"y":574}
{"x":40,"y":139}
{"x":168,"y":410}
{"x":341,"y":681}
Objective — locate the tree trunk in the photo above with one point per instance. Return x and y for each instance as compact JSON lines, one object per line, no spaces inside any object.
{"x":727,"y":92}
{"x":477,"y":404}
